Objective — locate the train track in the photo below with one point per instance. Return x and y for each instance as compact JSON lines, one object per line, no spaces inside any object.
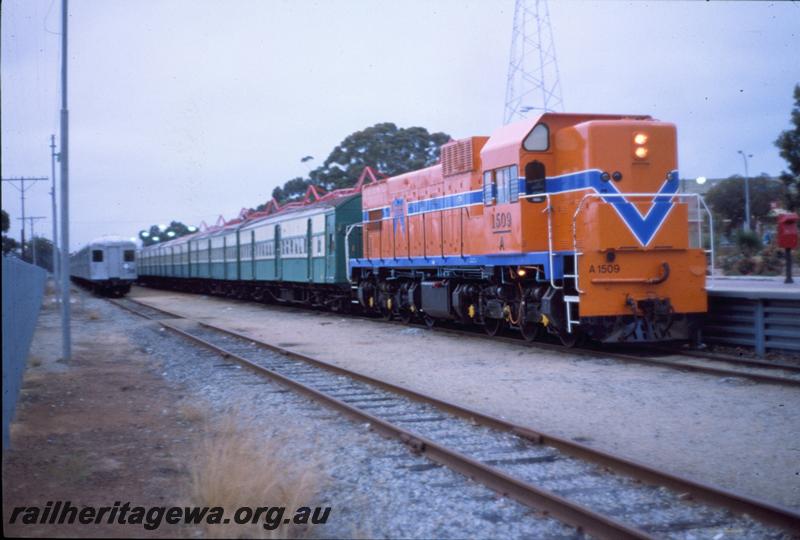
{"x":598,"y":493}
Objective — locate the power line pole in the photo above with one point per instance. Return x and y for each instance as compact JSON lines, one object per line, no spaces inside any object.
{"x":746,"y":191}
{"x":533,"y":81}
{"x":54,"y":211}
{"x":22,"y":189}
{"x":66,"y":337}
{"x":32,"y":219}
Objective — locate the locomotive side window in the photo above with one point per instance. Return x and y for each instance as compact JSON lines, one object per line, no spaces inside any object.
{"x":97,"y":255}
{"x":513,"y":183}
{"x":507,"y":184}
{"x":535,"y":180}
{"x":128,"y":255}
{"x":502,"y":185}
{"x":538,"y":140}
{"x":488,"y":188}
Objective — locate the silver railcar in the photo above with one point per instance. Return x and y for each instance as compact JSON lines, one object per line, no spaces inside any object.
{"x":106,"y":265}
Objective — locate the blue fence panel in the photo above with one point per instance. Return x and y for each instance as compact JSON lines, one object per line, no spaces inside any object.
{"x":23,"y":287}
{"x":763,"y":321}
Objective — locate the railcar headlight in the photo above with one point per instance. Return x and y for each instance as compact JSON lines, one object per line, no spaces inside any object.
{"x":640,"y":138}
{"x":641,"y":152}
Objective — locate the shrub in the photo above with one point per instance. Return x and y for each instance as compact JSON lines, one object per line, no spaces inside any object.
{"x":749,"y":242}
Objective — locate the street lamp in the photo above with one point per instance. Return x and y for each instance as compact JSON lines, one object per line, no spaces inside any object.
{"x":746,"y":191}
{"x":701,"y":180}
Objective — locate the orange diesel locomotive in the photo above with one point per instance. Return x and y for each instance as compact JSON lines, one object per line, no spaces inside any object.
{"x":567,"y":223}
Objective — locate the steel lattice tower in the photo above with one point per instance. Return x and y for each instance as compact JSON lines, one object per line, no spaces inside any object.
{"x":533,"y":83}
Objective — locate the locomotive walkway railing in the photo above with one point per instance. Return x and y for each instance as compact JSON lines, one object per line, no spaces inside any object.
{"x":700,"y":206}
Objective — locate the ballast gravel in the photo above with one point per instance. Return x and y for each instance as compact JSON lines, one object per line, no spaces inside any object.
{"x":378,"y":488}
{"x":729,"y":432}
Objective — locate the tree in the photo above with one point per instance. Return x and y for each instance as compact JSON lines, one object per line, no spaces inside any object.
{"x":44,"y":252}
{"x":9,"y":244}
{"x":789,"y":144}
{"x":389,"y":149}
{"x":727,"y":198}
{"x":155,"y":234}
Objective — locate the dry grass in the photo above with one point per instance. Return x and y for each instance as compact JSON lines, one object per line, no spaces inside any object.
{"x":192,"y":413}
{"x":237,"y":467}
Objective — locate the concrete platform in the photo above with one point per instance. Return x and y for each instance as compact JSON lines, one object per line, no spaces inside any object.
{"x":754,"y":287}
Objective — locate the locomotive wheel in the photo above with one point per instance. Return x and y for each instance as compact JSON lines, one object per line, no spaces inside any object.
{"x":492,"y":326}
{"x":574,"y":339}
{"x":530,"y":330}
{"x":406,"y":316}
{"x":429,"y":321}
{"x":386,"y":314}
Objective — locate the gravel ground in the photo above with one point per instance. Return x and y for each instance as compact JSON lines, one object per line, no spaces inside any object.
{"x":377,"y":488}
{"x":653,"y":509}
{"x":729,"y":432}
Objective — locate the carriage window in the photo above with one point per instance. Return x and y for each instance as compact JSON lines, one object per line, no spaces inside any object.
{"x":538,"y":140}
{"x":535,"y":180}
{"x":97,"y":255}
{"x":128,"y":255}
{"x":488,"y":188}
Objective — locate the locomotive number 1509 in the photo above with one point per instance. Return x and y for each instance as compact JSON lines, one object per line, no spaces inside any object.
{"x":604,"y":269}
{"x":501,"y":220}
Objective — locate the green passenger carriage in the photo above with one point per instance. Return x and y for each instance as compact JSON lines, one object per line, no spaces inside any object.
{"x":294,"y":254}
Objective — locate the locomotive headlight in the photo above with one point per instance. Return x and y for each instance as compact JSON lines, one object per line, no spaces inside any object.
{"x":640,"y":138}
{"x":641,"y":152}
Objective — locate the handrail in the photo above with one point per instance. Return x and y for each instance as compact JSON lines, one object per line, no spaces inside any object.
{"x":549,"y":210}
{"x":348,"y":230}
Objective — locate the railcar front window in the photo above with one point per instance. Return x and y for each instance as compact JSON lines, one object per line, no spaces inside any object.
{"x":97,"y":255}
{"x":128,"y":255}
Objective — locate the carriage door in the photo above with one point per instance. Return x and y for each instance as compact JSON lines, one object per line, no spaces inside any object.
{"x":329,"y":244}
{"x":309,"y":259}
{"x":114,"y":261}
{"x":278,"y":265}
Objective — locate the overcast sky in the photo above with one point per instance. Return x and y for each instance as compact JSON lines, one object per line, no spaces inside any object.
{"x":188,"y":109}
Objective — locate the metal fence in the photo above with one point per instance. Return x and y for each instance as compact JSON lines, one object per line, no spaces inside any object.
{"x":23,"y":287}
{"x":765,"y":321}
